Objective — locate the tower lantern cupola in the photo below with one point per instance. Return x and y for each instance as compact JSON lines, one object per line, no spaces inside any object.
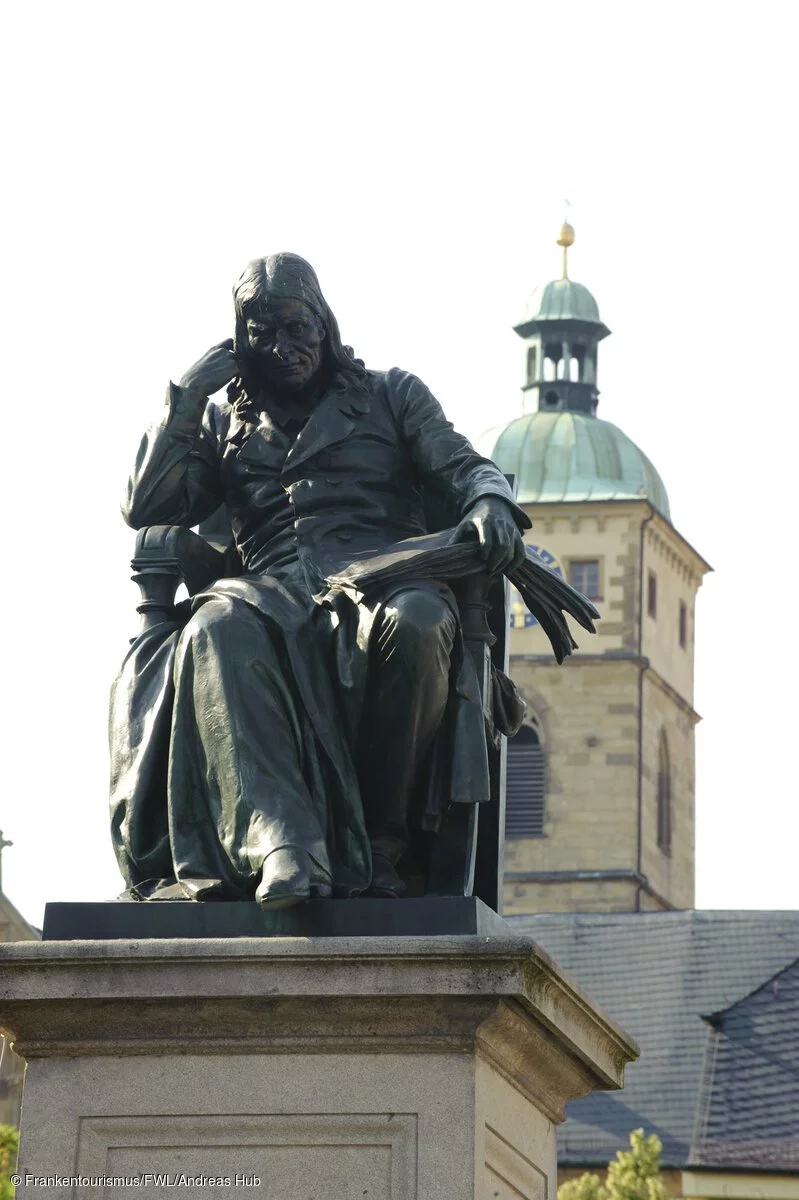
{"x":561,"y":330}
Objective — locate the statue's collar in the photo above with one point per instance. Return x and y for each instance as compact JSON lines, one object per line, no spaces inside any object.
{"x":329,"y":421}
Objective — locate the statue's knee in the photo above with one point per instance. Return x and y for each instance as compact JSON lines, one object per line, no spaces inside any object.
{"x":424,"y":618}
{"x":211,"y":621}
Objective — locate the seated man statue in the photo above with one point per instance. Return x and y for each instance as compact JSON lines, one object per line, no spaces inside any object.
{"x":267,"y":743}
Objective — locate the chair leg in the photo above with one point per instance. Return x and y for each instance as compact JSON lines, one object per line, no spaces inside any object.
{"x":452,"y":856}
{"x":454,"y":851}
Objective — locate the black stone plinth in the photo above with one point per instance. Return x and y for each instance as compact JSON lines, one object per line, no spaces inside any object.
{"x":428,"y":916}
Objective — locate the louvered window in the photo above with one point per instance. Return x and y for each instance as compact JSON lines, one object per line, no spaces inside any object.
{"x":524,"y":802}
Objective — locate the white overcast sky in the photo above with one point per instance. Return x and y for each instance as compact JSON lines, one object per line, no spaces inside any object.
{"x":418,"y":155}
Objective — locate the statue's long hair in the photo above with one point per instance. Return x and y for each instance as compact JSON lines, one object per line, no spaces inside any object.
{"x":290,"y":277}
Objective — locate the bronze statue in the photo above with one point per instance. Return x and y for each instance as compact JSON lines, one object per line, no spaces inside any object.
{"x":281,"y":739}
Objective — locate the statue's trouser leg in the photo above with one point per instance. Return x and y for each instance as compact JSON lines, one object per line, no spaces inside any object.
{"x":237,"y":790}
{"x":406,"y":697}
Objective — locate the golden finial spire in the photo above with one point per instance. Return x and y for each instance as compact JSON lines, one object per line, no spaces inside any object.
{"x":565,"y":239}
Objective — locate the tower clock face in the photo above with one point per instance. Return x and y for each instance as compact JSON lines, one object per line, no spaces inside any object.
{"x":520,"y":618}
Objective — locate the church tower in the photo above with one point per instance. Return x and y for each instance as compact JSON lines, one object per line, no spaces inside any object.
{"x":600,"y":801}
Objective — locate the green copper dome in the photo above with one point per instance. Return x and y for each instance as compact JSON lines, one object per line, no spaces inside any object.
{"x":559,"y":456}
{"x":561,"y":300}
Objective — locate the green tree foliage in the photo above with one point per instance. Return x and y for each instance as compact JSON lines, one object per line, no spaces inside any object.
{"x":587,"y":1187}
{"x":633,"y":1175}
{"x":9,"y":1145}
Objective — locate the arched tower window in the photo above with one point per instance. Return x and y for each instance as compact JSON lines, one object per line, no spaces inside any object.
{"x":526,"y":772}
{"x":532,"y":364}
{"x":553,"y":353}
{"x":664,"y":796}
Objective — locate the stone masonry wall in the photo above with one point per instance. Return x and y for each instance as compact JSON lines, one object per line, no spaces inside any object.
{"x":588,"y":714}
{"x":671,"y":875}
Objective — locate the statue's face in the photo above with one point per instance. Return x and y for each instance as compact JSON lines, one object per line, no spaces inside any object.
{"x":285,"y":339}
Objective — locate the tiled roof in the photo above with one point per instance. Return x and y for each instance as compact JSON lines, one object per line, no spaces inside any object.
{"x":13,"y":926}
{"x":748,"y":1111}
{"x":658,"y":975}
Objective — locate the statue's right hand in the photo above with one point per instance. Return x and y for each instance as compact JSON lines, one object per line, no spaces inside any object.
{"x":211,"y":372}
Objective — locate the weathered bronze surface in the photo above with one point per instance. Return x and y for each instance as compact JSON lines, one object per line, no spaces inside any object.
{"x":285,"y":734}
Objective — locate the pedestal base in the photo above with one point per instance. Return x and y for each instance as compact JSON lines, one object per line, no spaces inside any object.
{"x":428,"y":916}
{"x":326,"y":1069}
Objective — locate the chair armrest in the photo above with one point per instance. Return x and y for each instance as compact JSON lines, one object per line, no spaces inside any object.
{"x":166,"y":556}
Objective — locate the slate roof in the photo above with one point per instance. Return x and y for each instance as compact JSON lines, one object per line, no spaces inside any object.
{"x":748,"y":1112}
{"x":658,"y":975}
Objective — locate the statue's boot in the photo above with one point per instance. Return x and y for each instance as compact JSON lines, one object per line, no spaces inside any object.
{"x":290,"y":876}
{"x":386,"y":881}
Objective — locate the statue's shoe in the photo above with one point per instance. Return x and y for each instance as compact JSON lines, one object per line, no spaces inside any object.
{"x":290,"y":876}
{"x":386,"y":882}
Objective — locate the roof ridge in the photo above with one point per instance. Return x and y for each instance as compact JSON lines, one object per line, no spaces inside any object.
{"x":704,"y":1094}
{"x":722,"y":1012}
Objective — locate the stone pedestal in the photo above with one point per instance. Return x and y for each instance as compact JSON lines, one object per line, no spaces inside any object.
{"x":325,"y":1069}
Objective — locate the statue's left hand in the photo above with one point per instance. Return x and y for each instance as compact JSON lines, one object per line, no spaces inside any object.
{"x":491,"y":521}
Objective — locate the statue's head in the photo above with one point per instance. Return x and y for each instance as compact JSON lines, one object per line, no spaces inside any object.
{"x":286,"y":334}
